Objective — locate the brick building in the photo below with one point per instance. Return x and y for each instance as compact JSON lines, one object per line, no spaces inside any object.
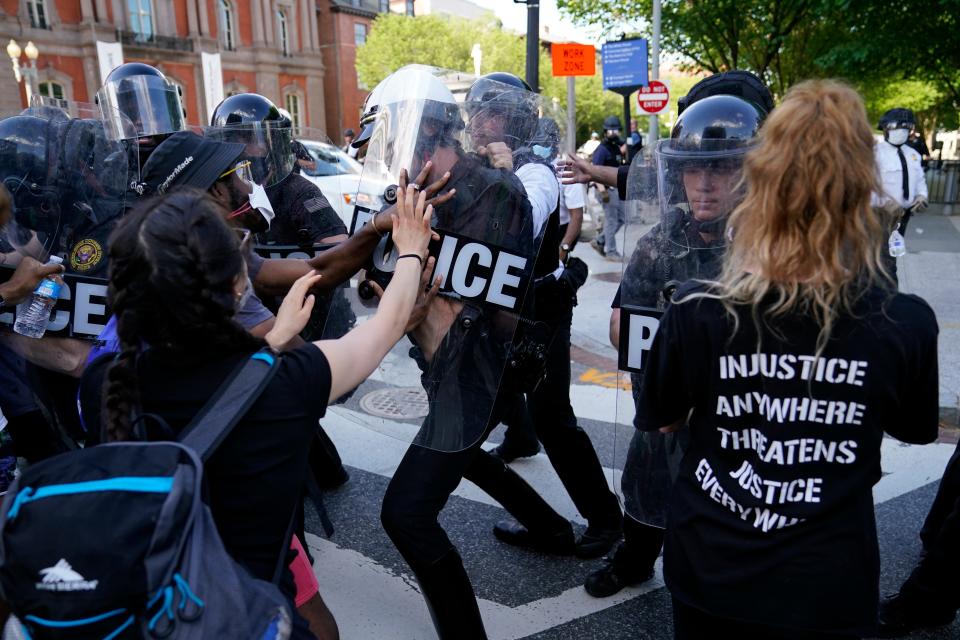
{"x":270,"y":47}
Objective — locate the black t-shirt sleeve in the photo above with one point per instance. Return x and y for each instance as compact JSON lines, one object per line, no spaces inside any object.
{"x":920,"y":420}
{"x":90,"y":397}
{"x":616,"y":298}
{"x":622,"y":173}
{"x":308,"y":370}
{"x":664,"y":396}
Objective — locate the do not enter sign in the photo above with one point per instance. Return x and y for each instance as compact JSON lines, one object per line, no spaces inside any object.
{"x":654,"y":97}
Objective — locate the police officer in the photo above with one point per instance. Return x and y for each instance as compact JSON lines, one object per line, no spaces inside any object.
{"x":901,"y":171}
{"x":303,"y":214}
{"x":462,"y":344}
{"x":140,"y":95}
{"x":554,"y":424}
{"x":610,"y":154}
{"x":699,"y":168}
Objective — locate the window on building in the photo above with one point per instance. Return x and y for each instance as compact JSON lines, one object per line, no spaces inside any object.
{"x":141,"y":18}
{"x":384,"y":6}
{"x":225,"y":22}
{"x":37,"y":9}
{"x":359,"y":33}
{"x":52,"y":90}
{"x":283,"y":32}
{"x":409,"y":7}
{"x":293,"y":108}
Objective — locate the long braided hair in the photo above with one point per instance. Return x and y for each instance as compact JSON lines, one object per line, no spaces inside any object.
{"x":174,"y":263}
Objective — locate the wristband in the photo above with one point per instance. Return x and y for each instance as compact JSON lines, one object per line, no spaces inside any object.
{"x":412,"y":255}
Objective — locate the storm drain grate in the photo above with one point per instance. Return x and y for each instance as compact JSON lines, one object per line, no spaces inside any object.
{"x":403,"y":403}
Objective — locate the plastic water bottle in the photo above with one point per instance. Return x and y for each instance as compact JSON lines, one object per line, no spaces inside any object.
{"x":898,"y":247}
{"x":34,"y":313}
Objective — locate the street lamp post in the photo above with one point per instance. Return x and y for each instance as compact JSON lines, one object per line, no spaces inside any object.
{"x":24,"y":73}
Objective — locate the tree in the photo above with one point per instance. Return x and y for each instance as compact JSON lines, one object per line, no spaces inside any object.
{"x":772,"y":38}
{"x":397,"y":40}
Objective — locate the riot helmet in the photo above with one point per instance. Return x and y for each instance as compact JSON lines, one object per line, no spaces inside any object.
{"x":699,"y":166}
{"x":502,"y":108}
{"x":743,"y":84}
{"x":414,"y":113}
{"x":146,"y":97}
{"x":612,"y":123}
{"x":258,"y":123}
{"x":896,"y":125}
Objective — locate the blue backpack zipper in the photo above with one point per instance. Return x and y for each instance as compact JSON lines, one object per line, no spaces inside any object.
{"x":136,"y":484}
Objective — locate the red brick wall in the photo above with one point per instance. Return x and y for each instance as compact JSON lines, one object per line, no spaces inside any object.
{"x":184,"y":74}
{"x":246,"y":78}
{"x":69,"y":11}
{"x":351,"y":96}
{"x":301,"y":81}
{"x":244,"y":22}
{"x":180,"y":11}
{"x":70,"y":65}
{"x":11,"y":7}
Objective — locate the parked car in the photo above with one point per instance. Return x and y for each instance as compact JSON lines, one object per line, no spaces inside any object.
{"x":338,"y":176}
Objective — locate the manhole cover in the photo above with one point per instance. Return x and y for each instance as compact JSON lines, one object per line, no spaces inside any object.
{"x":405,"y":402}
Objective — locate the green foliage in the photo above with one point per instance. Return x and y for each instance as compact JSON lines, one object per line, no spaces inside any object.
{"x":896,"y":52}
{"x":397,"y":40}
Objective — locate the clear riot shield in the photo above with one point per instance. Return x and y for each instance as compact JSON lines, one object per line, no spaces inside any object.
{"x":67,"y":186}
{"x":269,"y":147}
{"x":437,"y":388}
{"x":693,"y":190}
{"x":336,"y":175}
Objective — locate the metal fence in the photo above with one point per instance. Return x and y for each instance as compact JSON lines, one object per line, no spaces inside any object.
{"x":943,"y":181}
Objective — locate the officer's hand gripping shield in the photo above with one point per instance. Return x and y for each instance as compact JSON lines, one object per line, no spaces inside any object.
{"x":439,"y":386}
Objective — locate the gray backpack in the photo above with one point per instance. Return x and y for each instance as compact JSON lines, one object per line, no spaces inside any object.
{"x":115,"y":542}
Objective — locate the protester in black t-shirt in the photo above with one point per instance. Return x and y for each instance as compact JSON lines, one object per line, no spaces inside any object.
{"x":787,"y":371}
{"x":178,"y":253}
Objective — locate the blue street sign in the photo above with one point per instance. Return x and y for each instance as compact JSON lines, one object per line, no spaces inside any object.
{"x":624,"y":64}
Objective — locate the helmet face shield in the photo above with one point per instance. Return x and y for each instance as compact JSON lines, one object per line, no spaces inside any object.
{"x":151,"y":103}
{"x":268,"y":148}
{"x":700,"y":188}
{"x":500,"y":112}
{"x":416,"y":114}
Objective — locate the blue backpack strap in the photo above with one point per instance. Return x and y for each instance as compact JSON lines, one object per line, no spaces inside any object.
{"x":230,"y":403}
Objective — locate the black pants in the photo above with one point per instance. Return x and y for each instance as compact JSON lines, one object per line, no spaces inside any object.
{"x":640,"y":548}
{"x":424,"y":480}
{"x":693,"y":624}
{"x":566,"y":444}
{"x":933,"y":583}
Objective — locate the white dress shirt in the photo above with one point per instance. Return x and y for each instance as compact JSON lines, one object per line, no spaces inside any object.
{"x":891,"y":175}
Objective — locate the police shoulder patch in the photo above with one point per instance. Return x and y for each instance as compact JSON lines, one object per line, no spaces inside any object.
{"x":85,"y":255}
{"x":315,"y":204}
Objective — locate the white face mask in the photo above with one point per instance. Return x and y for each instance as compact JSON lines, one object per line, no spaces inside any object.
{"x":260,"y":202}
{"x":897,"y":137}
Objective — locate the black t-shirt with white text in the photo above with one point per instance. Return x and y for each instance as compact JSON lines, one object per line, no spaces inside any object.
{"x":771,"y":519}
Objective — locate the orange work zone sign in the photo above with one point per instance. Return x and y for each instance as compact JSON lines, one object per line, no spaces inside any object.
{"x":573,"y":59}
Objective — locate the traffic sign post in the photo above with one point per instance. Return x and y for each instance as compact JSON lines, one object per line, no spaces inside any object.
{"x":625,"y":70}
{"x":653,"y":98}
{"x":572,"y":60}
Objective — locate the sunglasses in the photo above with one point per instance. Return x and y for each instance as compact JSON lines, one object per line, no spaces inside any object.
{"x":242,"y":169}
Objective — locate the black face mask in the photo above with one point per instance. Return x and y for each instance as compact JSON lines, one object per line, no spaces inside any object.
{"x":709,"y":227}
